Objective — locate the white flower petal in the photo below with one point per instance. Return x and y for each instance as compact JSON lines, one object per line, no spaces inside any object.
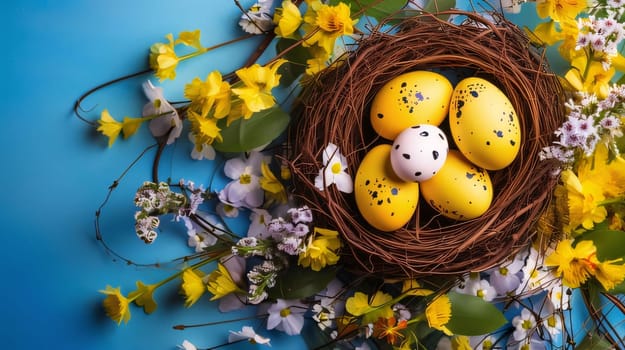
{"x":344,"y":182}
{"x":234,"y":168}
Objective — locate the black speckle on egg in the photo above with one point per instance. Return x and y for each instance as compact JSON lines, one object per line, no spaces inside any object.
{"x":367,"y":182}
{"x":512,"y":142}
{"x":485,"y":188}
{"x":418,"y":173}
{"x":435,"y":155}
{"x":380,"y":115}
{"x":406,"y":155}
{"x":380,"y":201}
{"x":374,"y":194}
{"x":397,"y":146}
{"x":424,"y":134}
{"x":388,"y":200}
{"x":487,"y":143}
{"x":392,"y":213}
{"x":411,"y":110}
{"x":415,"y":126}
{"x":441,"y":136}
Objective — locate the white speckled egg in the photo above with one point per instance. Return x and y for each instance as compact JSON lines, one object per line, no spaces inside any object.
{"x":385,"y":201}
{"x":419,"y":152}
{"x":484,"y":124}
{"x":459,"y":190}
{"x":417,"y":97}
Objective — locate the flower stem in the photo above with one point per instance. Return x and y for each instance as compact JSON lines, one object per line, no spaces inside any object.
{"x":182,"y":327}
{"x":611,"y":201}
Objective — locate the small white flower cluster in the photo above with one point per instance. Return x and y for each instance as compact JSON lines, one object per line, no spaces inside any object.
{"x":273,"y":240}
{"x":601,"y":35}
{"x":522,"y":277}
{"x":154,"y":200}
{"x":589,"y":122}
{"x":261,"y":277}
{"x":328,"y":305}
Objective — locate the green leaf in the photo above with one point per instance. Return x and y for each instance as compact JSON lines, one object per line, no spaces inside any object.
{"x":296,"y":60}
{"x":610,"y":243}
{"x":378,"y":9}
{"x":593,"y":341}
{"x":243,"y":135}
{"x":298,"y":282}
{"x":471,"y":315}
{"x":434,"y":6}
{"x":618,"y":289}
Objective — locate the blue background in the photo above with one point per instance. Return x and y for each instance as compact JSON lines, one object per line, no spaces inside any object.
{"x":56,"y":171}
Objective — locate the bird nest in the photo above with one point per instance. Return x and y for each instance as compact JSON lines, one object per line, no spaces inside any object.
{"x":334,"y":108}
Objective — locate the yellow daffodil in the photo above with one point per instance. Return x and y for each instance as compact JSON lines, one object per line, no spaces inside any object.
{"x":220,"y":283}
{"x":190,"y":39}
{"x":109,"y":127}
{"x":116,"y":305}
{"x":370,"y":309}
{"x":389,"y":328}
{"x":583,"y":201}
{"x":560,"y":10}
{"x":321,"y":249}
{"x":610,"y":273}
{"x":144,"y":296}
{"x":325,"y":23}
{"x":193,"y":286}
{"x":438,"y":313}
{"x":412,"y":287}
{"x":461,"y":342}
{"x":205,"y":130}
{"x":574,"y":264}
{"x":287,"y":19}
{"x":589,"y":76}
{"x":568,"y":48}
{"x":607,"y":174}
{"x":204,"y":95}
{"x":163,"y":59}
{"x":546,"y":33}
{"x":274,"y":189}
{"x":258,"y":81}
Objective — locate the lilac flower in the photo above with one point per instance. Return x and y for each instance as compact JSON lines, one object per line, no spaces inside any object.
{"x":286,"y":316}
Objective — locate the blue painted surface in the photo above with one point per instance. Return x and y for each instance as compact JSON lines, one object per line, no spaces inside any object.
{"x":55,"y":171}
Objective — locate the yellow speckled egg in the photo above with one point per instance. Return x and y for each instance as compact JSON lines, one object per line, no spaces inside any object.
{"x":459,"y":190}
{"x":484,"y":124}
{"x":419,"y":97}
{"x":384,"y":200}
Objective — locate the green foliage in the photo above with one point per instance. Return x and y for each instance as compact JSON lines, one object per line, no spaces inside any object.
{"x":434,"y":6}
{"x":610,"y":243}
{"x":378,"y":9}
{"x":297,"y":55}
{"x":298,"y":282}
{"x":594,"y":342}
{"x":471,"y":315}
{"x":243,"y":135}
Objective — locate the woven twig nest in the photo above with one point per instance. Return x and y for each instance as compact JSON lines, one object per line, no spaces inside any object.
{"x":334,"y":108}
